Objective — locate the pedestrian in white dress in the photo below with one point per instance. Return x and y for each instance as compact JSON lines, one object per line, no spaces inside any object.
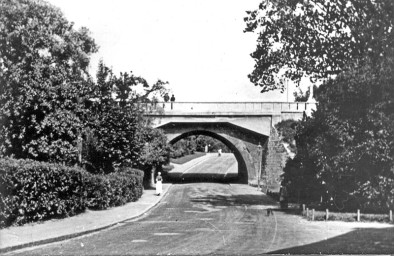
{"x":159,"y":185}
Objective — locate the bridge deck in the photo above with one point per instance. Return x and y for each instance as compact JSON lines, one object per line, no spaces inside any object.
{"x":250,"y":108}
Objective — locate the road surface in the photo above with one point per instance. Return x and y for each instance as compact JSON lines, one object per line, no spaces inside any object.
{"x":222,"y":218}
{"x":210,"y":168}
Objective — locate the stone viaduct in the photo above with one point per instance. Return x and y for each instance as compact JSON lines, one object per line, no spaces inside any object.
{"x":242,"y":126}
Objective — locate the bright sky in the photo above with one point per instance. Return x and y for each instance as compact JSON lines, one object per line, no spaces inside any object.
{"x":198,"y":46}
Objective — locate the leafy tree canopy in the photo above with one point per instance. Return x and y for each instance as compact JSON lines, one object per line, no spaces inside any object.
{"x":43,"y":78}
{"x":345,"y":151}
{"x":287,"y":132}
{"x":48,"y":101}
{"x":116,"y":132}
{"x":300,"y":96}
{"x":197,"y":143}
{"x":316,"y":38}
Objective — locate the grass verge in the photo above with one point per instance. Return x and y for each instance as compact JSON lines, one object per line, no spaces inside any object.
{"x":187,"y":158}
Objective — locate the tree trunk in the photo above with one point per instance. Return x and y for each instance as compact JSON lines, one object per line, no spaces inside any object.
{"x":152,"y":176}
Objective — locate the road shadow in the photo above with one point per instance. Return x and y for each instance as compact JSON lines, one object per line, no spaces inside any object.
{"x":236,"y":200}
{"x":359,"y":241}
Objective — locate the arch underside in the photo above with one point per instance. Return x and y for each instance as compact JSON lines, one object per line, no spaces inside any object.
{"x":242,"y":142}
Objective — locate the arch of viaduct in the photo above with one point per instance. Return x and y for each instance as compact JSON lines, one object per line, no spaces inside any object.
{"x":241,"y":126}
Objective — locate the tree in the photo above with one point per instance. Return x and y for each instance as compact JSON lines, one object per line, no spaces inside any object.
{"x":345,"y":151}
{"x":287,"y":132}
{"x":197,"y":143}
{"x":317,"y":38}
{"x":155,"y":153}
{"x":116,"y":130}
{"x":300,"y":96}
{"x":44,"y":81}
{"x":347,"y":147}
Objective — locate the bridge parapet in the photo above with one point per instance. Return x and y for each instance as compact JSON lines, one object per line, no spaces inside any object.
{"x":270,"y":108}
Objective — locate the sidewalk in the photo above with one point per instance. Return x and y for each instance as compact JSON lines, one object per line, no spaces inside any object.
{"x":13,"y":238}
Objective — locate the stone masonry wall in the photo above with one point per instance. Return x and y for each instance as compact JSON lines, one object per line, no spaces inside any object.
{"x":275,"y":161}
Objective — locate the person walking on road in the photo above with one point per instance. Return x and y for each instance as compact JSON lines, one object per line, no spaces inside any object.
{"x":159,"y":184}
{"x":220,"y":152}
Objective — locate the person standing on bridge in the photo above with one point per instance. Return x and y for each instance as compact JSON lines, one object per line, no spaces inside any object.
{"x":159,"y":184}
{"x":172,"y":100}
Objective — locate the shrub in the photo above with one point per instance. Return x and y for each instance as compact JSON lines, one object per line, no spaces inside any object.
{"x":35,"y":191}
{"x":118,"y":188}
{"x":167,"y":168}
{"x":177,"y":153}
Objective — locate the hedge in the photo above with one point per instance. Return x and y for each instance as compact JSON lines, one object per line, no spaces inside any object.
{"x":104,"y":191}
{"x":35,"y":191}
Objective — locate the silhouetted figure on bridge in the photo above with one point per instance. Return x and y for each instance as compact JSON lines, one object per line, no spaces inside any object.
{"x":172,"y":100}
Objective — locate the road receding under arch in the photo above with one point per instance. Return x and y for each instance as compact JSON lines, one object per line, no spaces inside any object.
{"x":208,"y":168}
{"x":242,"y":142}
{"x":242,"y":176}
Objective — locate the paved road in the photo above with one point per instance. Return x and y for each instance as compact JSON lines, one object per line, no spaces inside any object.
{"x":220,"y":218}
{"x":210,"y":167}
{"x":196,"y":218}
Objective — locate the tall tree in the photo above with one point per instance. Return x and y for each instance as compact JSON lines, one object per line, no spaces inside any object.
{"x":43,"y":81}
{"x":116,"y":130}
{"x":347,"y":146}
{"x":316,"y":38}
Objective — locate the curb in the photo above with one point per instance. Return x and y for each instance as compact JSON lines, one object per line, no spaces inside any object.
{"x":74,"y":235}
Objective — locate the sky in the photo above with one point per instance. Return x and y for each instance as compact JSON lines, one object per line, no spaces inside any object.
{"x":198,"y":46}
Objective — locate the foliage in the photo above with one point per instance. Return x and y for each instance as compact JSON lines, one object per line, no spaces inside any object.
{"x":177,"y":153}
{"x":347,"y":147}
{"x":111,"y":140}
{"x":287,"y":132}
{"x":345,"y":150}
{"x":316,"y":38}
{"x":44,"y":81}
{"x":300,"y":96}
{"x":300,"y":176}
{"x":36,"y":191}
{"x":48,"y":101}
{"x":116,"y":131}
{"x":118,"y":188}
{"x":194,"y":143}
{"x":156,"y":150}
